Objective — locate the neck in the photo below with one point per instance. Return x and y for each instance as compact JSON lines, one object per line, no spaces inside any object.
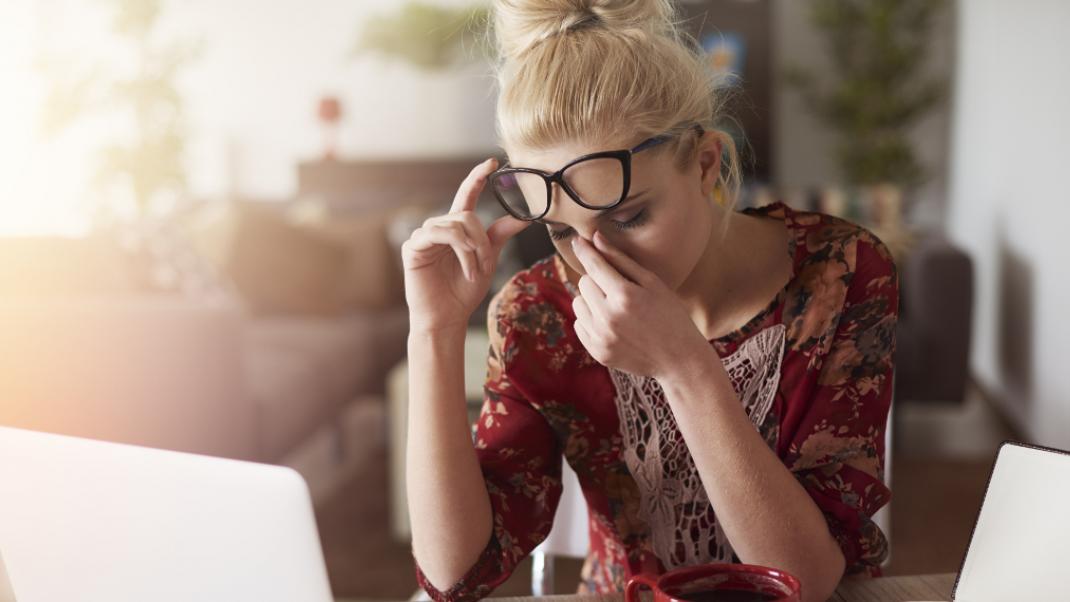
{"x":733,"y":275}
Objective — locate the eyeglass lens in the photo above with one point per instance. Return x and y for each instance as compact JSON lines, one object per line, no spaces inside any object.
{"x":598,"y":182}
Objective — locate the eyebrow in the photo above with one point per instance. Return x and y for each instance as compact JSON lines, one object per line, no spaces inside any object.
{"x":601,"y":212}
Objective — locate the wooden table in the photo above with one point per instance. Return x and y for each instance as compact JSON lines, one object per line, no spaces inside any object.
{"x":897,"y":589}
{"x":883,"y":589}
{"x":914,"y":588}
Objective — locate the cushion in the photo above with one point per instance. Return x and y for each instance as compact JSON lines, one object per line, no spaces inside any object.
{"x":372,"y":277}
{"x":277,"y":266}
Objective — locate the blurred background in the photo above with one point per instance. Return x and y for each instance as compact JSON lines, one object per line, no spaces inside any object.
{"x":202,"y":206}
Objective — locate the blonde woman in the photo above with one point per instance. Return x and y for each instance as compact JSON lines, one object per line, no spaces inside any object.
{"x":718,"y":379}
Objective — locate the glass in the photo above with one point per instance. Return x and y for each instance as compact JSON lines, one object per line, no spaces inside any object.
{"x":594,"y":181}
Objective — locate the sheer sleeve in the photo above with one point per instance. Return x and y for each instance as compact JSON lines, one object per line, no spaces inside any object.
{"x":519,"y":455}
{"x":837,"y":453}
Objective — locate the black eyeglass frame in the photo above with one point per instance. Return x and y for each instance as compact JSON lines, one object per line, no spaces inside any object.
{"x":623,"y":155}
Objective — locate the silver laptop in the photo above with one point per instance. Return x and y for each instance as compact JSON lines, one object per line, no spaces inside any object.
{"x":1020,"y":547}
{"x":89,"y":521}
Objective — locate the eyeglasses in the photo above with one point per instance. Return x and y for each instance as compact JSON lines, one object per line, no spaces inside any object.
{"x":594,"y":181}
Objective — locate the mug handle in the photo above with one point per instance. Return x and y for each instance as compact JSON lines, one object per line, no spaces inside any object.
{"x":631,"y":592}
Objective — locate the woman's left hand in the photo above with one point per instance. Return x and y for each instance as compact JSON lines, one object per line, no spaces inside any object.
{"x":627,"y":317}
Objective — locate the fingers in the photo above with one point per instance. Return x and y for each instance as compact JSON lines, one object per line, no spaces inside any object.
{"x":475,"y":247}
{"x":584,"y":317}
{"x":503,"y":229}
{"x":605,"y":275}
{"x":583,"y":335}
{"x":594,"y":299}
{"x":489,"y":241}
{"x":473,"y":229}
{"x":453,"y":235}
{"x":468,"y":192}
{"x":624,"y":264}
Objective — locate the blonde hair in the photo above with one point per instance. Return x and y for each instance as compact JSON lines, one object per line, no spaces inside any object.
{"x":607,"y":72}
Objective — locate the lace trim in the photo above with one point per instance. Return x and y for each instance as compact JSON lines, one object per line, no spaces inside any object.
{"x":684,"y":529}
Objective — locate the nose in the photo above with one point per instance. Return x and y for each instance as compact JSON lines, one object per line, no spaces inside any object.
{"x":586,"y":233}
{"x":589,"y":227}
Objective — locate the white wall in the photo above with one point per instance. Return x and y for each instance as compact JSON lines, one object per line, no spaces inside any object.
{"x":250,"y":99}
{"x":1010,"y":203}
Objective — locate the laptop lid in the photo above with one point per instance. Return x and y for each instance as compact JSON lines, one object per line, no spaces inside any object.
{"x":106,"y":522}
{"x":1020,"y":547}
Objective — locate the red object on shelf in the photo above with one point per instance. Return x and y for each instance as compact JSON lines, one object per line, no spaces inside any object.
{"x":329,"y":112}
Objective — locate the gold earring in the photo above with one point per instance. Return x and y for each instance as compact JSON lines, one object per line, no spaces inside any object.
{"x":717,"y":196}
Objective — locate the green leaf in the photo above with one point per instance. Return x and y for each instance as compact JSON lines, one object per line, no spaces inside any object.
{"x":875,"y":90}
{"x":428,"y":36}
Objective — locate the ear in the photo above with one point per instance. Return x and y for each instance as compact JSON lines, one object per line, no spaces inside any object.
{"x":710,"y":149}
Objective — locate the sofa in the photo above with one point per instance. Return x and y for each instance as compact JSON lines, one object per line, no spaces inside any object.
{"x":264,"y":366}
{"x":136,"y":368}
{"x":933,"y":338}
{"x":246,"y":329}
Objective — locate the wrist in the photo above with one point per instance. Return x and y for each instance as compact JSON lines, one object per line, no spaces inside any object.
{"x":689,"y":365}
{"x":438,"y":336}
{"x":420,"y":329}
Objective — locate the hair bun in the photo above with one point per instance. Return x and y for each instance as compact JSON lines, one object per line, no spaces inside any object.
{"x":520,"y":24}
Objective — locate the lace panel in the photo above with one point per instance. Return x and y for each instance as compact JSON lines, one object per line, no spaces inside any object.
{"x":684,"y":528}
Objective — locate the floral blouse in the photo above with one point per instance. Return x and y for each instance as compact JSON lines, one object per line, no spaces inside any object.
{"x":813,"y":370}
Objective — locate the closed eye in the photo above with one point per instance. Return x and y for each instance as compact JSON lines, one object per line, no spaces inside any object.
{"x":634,"y":222}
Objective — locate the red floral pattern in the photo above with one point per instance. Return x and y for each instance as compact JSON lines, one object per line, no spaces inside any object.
{"x":546,"y":397}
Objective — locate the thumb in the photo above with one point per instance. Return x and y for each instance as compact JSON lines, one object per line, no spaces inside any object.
{"x":503,"y":229}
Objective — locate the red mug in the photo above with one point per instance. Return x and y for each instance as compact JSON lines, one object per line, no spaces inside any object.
{"x":706,"y":581}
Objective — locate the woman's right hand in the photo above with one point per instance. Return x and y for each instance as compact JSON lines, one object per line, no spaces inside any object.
{"x":449,"y":260}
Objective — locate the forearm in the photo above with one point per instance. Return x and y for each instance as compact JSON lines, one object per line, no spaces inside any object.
{"x":767,"y":515}
{"x":449,"y":508}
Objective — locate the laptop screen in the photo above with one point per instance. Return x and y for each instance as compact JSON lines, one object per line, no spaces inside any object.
{"x":103,"y":522}
{"x":1020,"y":548}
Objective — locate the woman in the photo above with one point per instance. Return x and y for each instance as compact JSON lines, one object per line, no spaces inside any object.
{"x":718,"y":380}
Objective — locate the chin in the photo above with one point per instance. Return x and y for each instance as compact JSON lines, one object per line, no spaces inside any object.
{"x":672,"y":284}
{"x":679,"y":274}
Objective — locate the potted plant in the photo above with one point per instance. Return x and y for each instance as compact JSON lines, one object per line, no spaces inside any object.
{"x":436,"y":61}
{"x":140,"y":98}
{"x":428,"y":36}
{"x":875,"y":93}
{"x":139,"y":178}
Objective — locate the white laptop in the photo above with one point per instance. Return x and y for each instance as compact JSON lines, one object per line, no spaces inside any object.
{"x":89,"y":521}
{"x":1020,"y":547}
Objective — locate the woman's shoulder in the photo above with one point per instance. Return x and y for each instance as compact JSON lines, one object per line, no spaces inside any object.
{"x":824,"y":237}
{"x":830,"y":252}
{"x":839,"y":263}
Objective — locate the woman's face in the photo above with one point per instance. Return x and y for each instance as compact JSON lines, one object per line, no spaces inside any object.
{"x":665,"y":223}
